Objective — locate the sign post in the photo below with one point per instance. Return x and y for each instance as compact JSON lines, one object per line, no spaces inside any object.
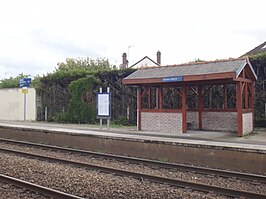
{"x":24,"y":83}
{"x":104,"y":106}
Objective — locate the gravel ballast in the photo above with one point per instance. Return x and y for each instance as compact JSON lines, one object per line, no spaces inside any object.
{"x":89,"y":184}
{"x":232,"y":183}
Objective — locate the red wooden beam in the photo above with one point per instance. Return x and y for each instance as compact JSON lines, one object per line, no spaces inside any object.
{"x":225,"y":75}
{"x":246,"y":95}
{"x":252,"y":103}
{"x":139,"y":108}
{"x":190,"y":78}
{"x":242,"y":87}
{"x":239,"y":109}
{"x":193,"y":90}
{"x":184,"y":109}
{"x":179,"y":93}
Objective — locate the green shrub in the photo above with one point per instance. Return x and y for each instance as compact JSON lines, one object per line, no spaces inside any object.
{"x":122,"y":120}
{"x":80,"y":111}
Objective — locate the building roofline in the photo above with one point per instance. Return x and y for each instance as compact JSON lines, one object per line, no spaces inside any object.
{"x":194,"y":77}
{"x":255,"y":50}
{"x":142,"y":60}
{"x":195,"y":63}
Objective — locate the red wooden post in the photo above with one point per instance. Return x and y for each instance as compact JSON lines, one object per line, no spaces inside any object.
{"x":246,"y":95}
{"x":252,"y":97}
{"x":239,"y":109}
{"x":139,"y":108}
{"x":200,"y":106}
{"x":184,"y":109}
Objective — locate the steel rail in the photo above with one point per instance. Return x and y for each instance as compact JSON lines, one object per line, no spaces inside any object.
{"x":209,"y":171}
{"x":37,"y":188}
{"x":152,"y":178}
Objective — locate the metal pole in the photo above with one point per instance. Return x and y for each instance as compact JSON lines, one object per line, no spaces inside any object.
{"x":25,"y":102}
{"x":108,"y":120}
{"x":46,"y":113}
{"x":101,"y":120}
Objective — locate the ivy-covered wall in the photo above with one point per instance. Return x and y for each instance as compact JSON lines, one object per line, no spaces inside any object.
{"x":259,"y":64}
{"x":71,"y":96}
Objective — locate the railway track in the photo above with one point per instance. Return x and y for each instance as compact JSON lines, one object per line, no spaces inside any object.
{"x":152,"y":178}
{"x":37,"y":188}
{"x":189,"y":168}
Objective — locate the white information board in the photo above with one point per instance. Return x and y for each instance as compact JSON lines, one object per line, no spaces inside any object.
{"x":103,"y":105}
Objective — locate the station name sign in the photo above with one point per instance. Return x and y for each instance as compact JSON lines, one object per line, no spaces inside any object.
{"x":173,"y":79}
{"x":24,"y":82}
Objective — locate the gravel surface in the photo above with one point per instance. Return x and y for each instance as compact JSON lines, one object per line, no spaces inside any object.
{"x":89,"y":184}
{"x":10,"y":191}
{"x":232,"y":183}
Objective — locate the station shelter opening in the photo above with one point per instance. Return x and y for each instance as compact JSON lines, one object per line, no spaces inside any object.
{"x":216,"y":96}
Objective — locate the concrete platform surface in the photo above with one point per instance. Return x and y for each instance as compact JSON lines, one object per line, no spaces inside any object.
{"x":254,"y":141}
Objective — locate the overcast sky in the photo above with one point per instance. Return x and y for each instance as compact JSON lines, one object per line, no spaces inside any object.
{"x":37,"y":34}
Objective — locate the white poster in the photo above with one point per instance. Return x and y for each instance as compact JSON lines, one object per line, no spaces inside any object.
{"x":104,"y":104}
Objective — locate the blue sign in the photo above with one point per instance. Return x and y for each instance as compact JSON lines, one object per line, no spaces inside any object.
{"x":25,"y":82}
{"x":173,"y":79}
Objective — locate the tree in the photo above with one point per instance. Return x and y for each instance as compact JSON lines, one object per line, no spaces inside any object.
{"x":92,"y":65}
{"x":12,"y":82}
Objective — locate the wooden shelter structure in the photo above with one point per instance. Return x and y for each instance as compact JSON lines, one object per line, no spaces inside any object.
{"x":216,"y":95}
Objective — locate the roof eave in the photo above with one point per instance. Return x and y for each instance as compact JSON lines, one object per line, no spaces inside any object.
{"x":189,"y":78}
{"x":247,"y":62}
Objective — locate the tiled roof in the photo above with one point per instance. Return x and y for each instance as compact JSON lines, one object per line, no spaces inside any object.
{"x":216,"y":67}
{"x":259,"y":49}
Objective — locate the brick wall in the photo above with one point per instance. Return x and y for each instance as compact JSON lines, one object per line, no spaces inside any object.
{"x":219,"y":121}
{"x":192,"y":120}
{"x":162,"y":122}
{"x":247,"y":123}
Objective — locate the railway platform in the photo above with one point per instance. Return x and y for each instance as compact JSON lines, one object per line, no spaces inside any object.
{"x":204,"y":148}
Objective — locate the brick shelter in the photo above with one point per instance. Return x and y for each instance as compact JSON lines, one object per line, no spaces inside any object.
{"x":216,"y":96}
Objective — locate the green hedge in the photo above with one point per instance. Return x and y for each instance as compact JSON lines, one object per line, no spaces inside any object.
{"x":79,"y":111}
{"x":259,"y":63}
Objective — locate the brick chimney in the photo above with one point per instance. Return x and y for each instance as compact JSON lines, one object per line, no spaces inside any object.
{"x":124,"y":61}
{"x":159,"y":57}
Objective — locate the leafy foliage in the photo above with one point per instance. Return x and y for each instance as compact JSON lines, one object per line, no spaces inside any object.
{"x":80,"y":110}
{"x":12,"y":82}
{"x":259,"y":63}
{"x":61,"y":90}
{"x":88,"y":64}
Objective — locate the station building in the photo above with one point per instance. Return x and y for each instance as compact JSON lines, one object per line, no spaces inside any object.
{"x":216,"y":96}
